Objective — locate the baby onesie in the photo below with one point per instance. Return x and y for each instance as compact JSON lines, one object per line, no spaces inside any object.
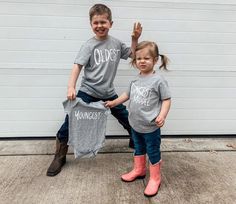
{"x":87,"y":126}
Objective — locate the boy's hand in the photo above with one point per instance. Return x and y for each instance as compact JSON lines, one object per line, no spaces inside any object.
{"x":109,"y":104}
{"x":137,"y":31}
{"x":160,"y":121}
{"x":71,"y":95}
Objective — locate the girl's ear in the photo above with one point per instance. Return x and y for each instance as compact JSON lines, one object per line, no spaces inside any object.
{"x":155,"y":60}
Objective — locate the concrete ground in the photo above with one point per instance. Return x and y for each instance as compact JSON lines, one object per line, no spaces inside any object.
{"x":194,"y":171}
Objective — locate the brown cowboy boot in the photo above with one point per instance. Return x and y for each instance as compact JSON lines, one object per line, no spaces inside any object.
{"x":59,"y":158}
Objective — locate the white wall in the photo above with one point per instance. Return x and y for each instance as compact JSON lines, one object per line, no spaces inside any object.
{"x":39,"y":40}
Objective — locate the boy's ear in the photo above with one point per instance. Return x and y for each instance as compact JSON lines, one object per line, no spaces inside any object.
{"x":111,"y":23}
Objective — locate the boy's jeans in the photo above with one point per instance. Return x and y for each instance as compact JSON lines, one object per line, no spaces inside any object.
{"x":118,"y":112}
{"x":148,"y":143}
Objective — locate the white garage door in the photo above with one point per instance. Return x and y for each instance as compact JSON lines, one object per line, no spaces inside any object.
{"x":39,"y":40}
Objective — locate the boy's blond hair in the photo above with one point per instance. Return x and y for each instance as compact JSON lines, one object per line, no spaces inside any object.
{"x":100,"y":9}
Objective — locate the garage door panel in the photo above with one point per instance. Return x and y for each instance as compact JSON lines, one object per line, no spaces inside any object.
{"x":39,"y":40}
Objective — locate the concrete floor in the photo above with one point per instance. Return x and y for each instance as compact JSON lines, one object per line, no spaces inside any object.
{"x":194,"y":171}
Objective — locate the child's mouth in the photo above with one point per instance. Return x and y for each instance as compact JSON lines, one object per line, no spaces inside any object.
{"x":100,"y":31}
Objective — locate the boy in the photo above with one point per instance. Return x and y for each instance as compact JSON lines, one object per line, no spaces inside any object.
{"x":100,"y":57}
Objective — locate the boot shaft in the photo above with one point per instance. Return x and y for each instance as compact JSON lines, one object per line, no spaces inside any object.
{"x":61,"y":148}
{"x":155,"y":170}
{"x":140,"y":162}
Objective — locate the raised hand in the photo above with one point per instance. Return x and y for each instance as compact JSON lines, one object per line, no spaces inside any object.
{"x":137,"y":30}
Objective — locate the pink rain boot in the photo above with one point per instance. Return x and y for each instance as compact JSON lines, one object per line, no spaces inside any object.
{"x":139,"y":170}
{"x":154,"y":181}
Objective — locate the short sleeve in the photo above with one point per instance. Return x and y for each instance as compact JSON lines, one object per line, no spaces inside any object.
{"x":128,"y":90}
{"x":83,"y":55}
{"x":164,"y":90}
{"x":125,"y":51}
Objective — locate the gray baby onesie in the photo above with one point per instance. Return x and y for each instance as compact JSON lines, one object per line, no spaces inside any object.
{"x":87,"y":126}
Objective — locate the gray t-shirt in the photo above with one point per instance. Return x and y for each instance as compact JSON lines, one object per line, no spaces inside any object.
{"x":87,"y":126}
{"x":146,"y":94}
{"x":100,"y":60}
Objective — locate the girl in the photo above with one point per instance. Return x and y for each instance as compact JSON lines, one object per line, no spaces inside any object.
{"x":149,"y":105}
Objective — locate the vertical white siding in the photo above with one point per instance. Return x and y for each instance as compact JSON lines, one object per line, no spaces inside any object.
{"x":39,"y":40}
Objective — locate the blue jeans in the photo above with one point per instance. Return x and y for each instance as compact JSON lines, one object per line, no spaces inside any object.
{"x":148,"y":143}
{"x":119,"y":112}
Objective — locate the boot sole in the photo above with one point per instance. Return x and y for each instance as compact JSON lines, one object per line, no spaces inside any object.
{"x":53,"y":174}
{"x":139,"y":177}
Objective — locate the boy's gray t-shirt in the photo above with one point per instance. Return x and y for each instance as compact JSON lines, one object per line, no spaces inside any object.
{"x":87,"y":126}
{"x":100,"y":60}
{"x":146,"y":94}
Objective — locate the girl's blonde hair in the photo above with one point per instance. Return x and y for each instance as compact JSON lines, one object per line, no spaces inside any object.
{"x":154,"y":51}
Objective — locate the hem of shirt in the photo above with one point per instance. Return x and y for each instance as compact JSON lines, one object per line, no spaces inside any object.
{"x":87,"y":91}
{"x":166,"y":98}
{"x":144,"y":130}
{"x":89,"y":154}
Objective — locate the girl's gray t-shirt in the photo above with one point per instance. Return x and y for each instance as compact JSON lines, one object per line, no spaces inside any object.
{"x":100,"y":60}
{"x":87,"y":126}
{"x":146,"y":94}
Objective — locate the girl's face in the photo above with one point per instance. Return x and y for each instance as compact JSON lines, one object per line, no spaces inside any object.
{"x":145,"y":61}
{"x":100,"y":26}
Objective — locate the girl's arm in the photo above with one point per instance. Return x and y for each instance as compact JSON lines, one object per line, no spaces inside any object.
{"x":121,"y":99}
{"x":165,"y":107}
{"x":71,"y":94}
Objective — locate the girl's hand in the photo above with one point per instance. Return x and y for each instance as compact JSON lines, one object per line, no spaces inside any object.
{"x":109,"y":104}
{"x":137,"y":31}
{"x":160,"y":121}
{"x":71,"y":95}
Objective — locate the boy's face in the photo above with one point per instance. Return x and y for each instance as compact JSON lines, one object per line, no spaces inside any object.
{"x":100,"y":26}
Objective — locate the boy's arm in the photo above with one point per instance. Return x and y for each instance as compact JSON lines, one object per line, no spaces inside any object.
{"x":71,"y":93}
{"x":121,"y":99}
{"x":137,"y":31}
{"x":165,"y":107}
